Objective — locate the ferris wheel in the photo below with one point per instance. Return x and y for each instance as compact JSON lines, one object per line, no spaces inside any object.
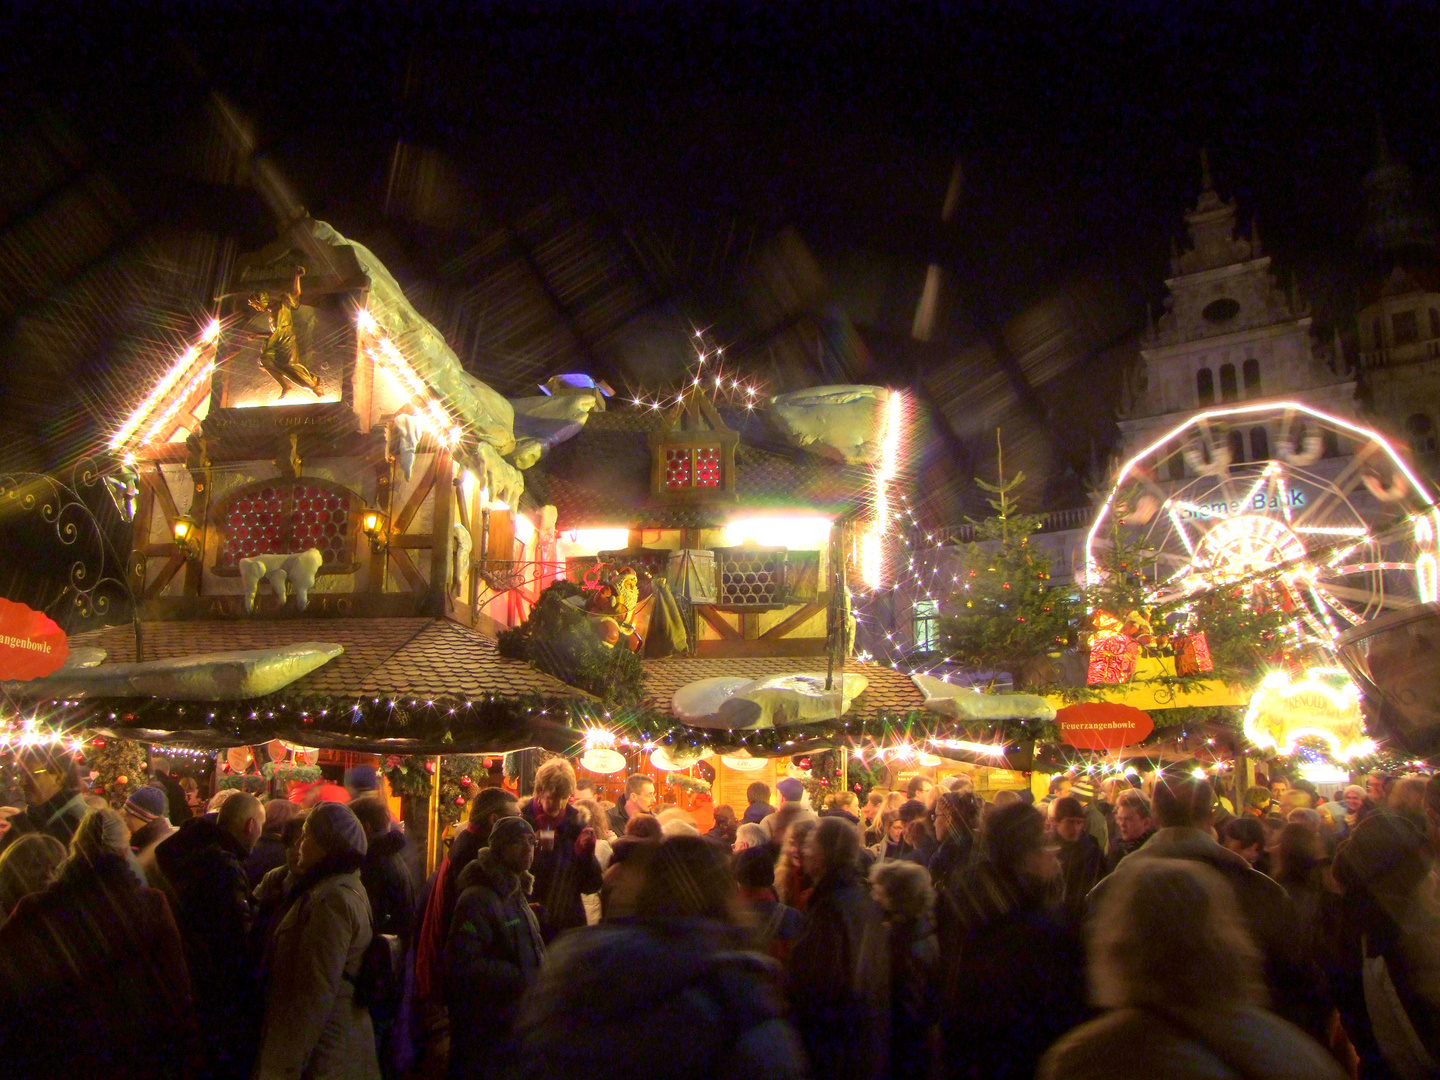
{"x":1326,"y":513}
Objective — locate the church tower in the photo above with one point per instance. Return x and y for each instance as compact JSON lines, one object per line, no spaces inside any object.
{"x":1229,"y":334}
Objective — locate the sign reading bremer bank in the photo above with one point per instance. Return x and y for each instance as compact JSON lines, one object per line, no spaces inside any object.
{"x":31,"y":645}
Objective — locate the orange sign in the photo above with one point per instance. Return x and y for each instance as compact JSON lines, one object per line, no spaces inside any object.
{"x":31,"y":645}
{"x":1103,"y":725}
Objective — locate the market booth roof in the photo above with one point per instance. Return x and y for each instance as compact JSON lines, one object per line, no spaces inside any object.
{"x":401,"y":685}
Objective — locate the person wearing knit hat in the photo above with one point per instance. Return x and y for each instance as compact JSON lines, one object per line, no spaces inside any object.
{"x":493,"y":952}
{"x":361,"y":780}
{"x":313,"y":1025}
{"x":146,"y":816}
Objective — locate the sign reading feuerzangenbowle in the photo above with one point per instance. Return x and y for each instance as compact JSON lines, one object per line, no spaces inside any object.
{"x":31,"y":645}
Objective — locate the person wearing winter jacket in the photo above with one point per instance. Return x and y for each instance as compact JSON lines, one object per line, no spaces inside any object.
{"x":93,"y":980}
{"x":313,"y":1027}
{"x":830,"y":1010}
{"x":1082,"y":862}
{"x":204,"y":873}
{"x":565,"y":865}
{"x":493,"y":953}
{"x":144,"y":814}
{"x":1173,"y":963}
{"x":385,"y":873}
{"x":1011,"y":978}
{"x":54,"y":805}
{"x":668,"y":993}
{"x":899,"y":969}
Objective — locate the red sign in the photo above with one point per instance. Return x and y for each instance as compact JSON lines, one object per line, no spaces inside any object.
{"x":1102,"y":725}
{"x":31,"y":645}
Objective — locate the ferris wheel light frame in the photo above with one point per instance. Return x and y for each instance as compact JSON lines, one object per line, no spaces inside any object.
{"x":1427,"y":522}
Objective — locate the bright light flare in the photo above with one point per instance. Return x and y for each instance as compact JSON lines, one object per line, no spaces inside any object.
{"x":800,"y":533}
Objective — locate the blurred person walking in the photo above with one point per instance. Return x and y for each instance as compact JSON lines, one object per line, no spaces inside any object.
{"x":1172,"y":961}
{"x":830,"y":1008}
{"x":1012,"y":974}
{"x":269,"y":850}
{"x":899,"y":970}
{"x":28,"y":866}
{"x":565,"y":865}
{"x":669,"y":993}
{"x":53,"y":803}
{"x":93,"y":980}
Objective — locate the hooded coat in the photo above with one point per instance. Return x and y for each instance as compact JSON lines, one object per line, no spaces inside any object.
{"x":1236,"y":1043}
{"x":144,"y":841}
{"x":93,"y":979}
{"x":899,"y":968}
{"x":663,"y":999}
{"x":1264,"y":904}
{"x":492,"y":955}
{"x":204,"y":873}
{"x":386,"y":877}
{"x":313,"y":1028}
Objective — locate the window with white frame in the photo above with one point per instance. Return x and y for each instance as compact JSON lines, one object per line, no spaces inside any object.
{"x":925,"y":625}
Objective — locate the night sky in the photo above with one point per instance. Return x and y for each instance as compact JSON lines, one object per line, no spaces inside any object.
{"x":1078,"y":127}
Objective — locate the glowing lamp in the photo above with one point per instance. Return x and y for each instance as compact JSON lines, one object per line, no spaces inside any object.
{"x":184,"y":531}
{"x":372,"y":524}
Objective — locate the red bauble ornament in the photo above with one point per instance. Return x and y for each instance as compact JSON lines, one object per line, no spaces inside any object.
{"x":429,"y":766}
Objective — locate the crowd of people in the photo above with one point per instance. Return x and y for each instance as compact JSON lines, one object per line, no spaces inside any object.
{"x":927,"y":933}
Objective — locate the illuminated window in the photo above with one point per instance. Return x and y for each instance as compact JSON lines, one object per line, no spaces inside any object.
{"x":282,"y":519}
{"x":1252,"y":378}
{"x":925,"y":625}
{"x":1228,"y":391}
{"x":1205,"y":386}
{"x":677,"y":467}
{"x":707,"y":466}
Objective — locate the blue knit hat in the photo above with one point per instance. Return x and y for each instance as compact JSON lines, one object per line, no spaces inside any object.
{"x":147,"y":803}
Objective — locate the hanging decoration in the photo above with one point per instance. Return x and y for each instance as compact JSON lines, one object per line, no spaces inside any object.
{"x":1102,"y":725}
{"x":31,"y":644}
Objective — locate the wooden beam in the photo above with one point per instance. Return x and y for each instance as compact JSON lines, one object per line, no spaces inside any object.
{"x":411,"y":541}
{"x":168,"y":571}
{"x":721,"y":627}
{"x":375,"y":570}
{"x":441,"y":517}
{"x":417,"y":498}
{"x":156,"y":482}
{"x":793,"y":621}
{"x":410,"y":571}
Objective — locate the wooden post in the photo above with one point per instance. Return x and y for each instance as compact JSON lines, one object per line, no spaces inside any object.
{"x":432,"y":824}
{"x":443,"y":500}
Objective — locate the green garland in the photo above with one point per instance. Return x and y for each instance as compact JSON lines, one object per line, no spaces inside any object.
{"x":289,"y":772}
{"x":693,"y":784}
{"x":558,"y":638}
{"x":413,"y":777}
{"x":251,"y":782}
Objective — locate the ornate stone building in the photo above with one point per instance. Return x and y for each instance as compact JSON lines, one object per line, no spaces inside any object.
{"x":1229,"y":334}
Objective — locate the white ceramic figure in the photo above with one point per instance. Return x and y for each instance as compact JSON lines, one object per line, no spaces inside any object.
{"x":298,"y":571}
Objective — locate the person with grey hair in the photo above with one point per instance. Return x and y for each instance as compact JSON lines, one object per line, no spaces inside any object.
{"x":203,"y":868}
{"x":93,"y":980}
{"x":1172,"y":962}
{"x":313,"y":1025}
{"x":748,"y":835}
{"x":899,"y":968}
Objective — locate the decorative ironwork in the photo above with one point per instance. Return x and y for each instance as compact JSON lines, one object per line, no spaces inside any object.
{"x":751,"y":577}
{"x":501,"y":576}
{"x":62,"y":505}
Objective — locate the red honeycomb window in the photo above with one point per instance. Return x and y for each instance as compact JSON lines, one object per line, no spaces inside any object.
{"x":677,"y":467}
{"x":281,"y":519}
{"x":707,"y":466}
